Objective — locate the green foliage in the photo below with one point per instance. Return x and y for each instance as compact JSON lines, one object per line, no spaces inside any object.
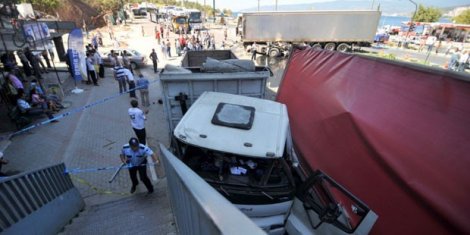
{"x":427,"y":14}
{"x":104,"y":5}
{"x":463,"y":18}
{"x":44,"y":5}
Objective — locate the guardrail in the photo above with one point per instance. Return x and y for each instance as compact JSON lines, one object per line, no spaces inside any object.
{"x":38,"y":202}
{"x":199,"y":208}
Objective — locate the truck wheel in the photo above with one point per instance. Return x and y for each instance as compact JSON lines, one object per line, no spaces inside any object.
{"x":343,"y":47}
{"x":316,"y":46}
{"x":274,"y":52}
{"x":330,"y":46}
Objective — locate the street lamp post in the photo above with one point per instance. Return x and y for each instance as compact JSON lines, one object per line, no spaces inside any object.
{"x":411,"y":21}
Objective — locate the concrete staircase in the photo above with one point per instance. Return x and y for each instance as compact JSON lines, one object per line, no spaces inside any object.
{"x":137,"y":214}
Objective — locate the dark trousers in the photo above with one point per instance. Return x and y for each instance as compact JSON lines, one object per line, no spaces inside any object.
{"x":155,"y":66}
{"x":141,"y":135}
{"x":92,"y":74}
{"x":253,"y":55}
{"x":132,"y":89}
{"x":142,"y":175}
{"x":101,"y":71}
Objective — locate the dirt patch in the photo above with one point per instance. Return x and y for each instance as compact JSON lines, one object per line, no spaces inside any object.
{"x":80,"y":12}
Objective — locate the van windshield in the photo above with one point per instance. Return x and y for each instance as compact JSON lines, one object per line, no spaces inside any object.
{"x":180,"y":20}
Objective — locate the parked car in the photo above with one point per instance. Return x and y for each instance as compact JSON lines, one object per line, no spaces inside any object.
{"x":137,"y":59}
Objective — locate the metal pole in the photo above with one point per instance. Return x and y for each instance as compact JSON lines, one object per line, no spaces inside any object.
{"x":258,"y":5}
{"x":213,"y":9}
{"x":373,"y":3}
{"x":412,"y":18}
{"x":276,"y":5}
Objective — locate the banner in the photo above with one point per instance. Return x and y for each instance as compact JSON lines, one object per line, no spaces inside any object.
{"x":36,"y":31}
{"x":76,"y":54}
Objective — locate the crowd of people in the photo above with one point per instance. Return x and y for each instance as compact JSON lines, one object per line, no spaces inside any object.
{"x":194,"y":40}
{"x":22,"y":85}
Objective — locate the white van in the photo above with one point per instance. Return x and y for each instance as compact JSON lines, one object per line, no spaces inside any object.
{"x":239,"y":145}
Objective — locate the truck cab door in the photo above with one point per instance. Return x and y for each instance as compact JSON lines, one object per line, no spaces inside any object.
{"x":322,"y":206}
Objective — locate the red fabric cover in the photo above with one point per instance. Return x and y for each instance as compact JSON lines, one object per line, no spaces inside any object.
{"x":396,"y":137}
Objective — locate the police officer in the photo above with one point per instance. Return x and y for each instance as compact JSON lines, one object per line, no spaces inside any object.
{"x":135,"y":154}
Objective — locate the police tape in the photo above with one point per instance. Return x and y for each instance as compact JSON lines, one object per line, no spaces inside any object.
{"x":97,"y":189}
{"x":73,"y":111}
{"x":96,"y":169}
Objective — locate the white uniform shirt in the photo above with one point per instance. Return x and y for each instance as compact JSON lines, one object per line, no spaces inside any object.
{"x":129,"y":75}
{"x":137,"y":118}
{"x":138,"y":157}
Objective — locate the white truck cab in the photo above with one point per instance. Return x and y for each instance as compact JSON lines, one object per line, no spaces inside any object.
{"x":236,"y":143}
{"x":241,"y":146}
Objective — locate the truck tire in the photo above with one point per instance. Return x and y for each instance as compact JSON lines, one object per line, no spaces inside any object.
{"x":316,"y":46}
{"x":274,"y":52}
{"x":343,"y":47}
{"x":330,"y":46}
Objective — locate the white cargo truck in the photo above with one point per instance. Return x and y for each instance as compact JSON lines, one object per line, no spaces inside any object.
{"x":241,"y":146}
{"x":275,"y":32}
{"x":181,"y":88}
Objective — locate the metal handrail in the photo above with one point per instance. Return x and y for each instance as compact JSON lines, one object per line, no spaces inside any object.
{"x":199,"y":208}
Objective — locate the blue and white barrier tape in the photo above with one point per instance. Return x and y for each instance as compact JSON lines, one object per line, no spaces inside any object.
{"x":96,"y":169}
{"x":76,"y":110}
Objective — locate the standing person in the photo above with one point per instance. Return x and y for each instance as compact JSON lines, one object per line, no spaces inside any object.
{"x":143,"y":86}
{"x":163,"y":47}
{"x":38,"y":58}
{"x":91,"y":69}
{"x":463,"y":61}
{"x":131,"y":82}
{"x":135,"y":154}
{"x":254,"y":48}
{"x":225,"y":33}
{"x":454,"y":61}
{"x":158,"y":37}
{"x":177,"y":47}
{"x":120,"y":76}
{"x":97,"y":58}
{"x":138,"y":121}
{"x":126,"y":61}
{"x":34,"y":62}
{"x":153,"y":56}
{"x":161,"y":31}
{"x":213,"y":42}
{"x":24,"y":61}
{"x":143,"y":31}
{"x":430,"y":42}
{"x":46,"y":58}
{"x":168,"y":48}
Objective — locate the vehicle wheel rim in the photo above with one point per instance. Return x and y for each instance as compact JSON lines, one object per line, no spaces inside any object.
{"x":273,"y":53}
{"x":316,"y":47}
{"x":330,"y":46}
{"x":342,"y":47}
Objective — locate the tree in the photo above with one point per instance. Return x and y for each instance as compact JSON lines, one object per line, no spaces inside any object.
{"x":427,"y":14}
{"x":44,"y":5}
{"x":463,"y":18}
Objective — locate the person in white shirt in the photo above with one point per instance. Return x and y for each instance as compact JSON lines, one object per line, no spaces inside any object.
{"x":91,"y":69}
{"x":463,"y":61}
{"x":131,"y":82}
{"x":138,"y":121}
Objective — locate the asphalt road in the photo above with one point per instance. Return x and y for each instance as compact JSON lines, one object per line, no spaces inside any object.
{"x":439,"y":59}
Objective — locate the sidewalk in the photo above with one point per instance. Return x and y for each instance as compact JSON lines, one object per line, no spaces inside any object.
{"x":92,"y":138}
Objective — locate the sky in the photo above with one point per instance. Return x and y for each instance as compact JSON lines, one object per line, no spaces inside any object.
{"x":236,"y":5}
